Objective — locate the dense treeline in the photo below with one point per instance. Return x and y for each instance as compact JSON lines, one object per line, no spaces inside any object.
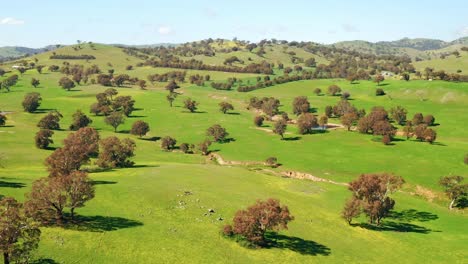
{"x":72,"y":57}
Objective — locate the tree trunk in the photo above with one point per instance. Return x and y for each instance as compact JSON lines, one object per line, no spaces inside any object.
{"x":451,"y":204}
{"x":72,"y":213}
{"x":6,"y":258}
{"x":59,"y":217}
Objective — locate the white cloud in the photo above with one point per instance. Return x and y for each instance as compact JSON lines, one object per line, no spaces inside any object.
{"x":164,"y":30}
{"x":349,"y":28}
{"x":11,"y":21}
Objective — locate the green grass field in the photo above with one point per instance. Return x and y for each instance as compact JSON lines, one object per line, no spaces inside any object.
{"x":141,"y":215}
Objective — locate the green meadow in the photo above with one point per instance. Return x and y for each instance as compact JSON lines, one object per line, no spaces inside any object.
{"x":157,"y":212}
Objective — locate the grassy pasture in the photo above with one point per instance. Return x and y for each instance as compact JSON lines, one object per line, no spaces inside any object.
{"x":142,"y":215}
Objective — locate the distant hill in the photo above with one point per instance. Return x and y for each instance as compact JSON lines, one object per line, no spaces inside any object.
{"x":13,"y":52}
{"x":421,"y":48}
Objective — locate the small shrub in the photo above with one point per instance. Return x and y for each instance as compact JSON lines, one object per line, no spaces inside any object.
{"x":258,"y":121}
{"x":379,"y":92}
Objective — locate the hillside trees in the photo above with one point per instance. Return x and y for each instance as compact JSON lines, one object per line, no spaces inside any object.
{"x":50,"y":196}
{"x":258,"y":121}
{"x":300,"y":105}
{"x":190,"y":105}
{"x":279,"y":127}
{"x":140,"y":128}
{"x":454,"y":189}
{"x":259,"y":218}
{"x":115,"y":153}
{"x":370,"y":193}
{"x":225,"y":107}
{"x":9,"y":82}
{"x":66,"y":83}
{"x":35,"y":82}
{"x":334,"y":90}
{"x":115,"y":119}
{"x":217,"y":132}
{"x":31,"y":102}
{"x":77,"y":150}
{"x":378,"y":79}
{"x":306,"y":122}
{"x":168,"y":143}
{"x":50,"y":121}
{"x":171,"y":98}
{"x":79,"y":120}
{"x":19,"y":236}
{"x":43,"y":138}
{"x":399,"y":114}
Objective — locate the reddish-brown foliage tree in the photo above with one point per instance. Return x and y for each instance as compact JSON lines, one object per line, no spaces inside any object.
{"x":115,"y":153}
{"x":80,"y":120}
{"x":306,"y":122}
{"x":203,"y":147}
{"x":348,"y":119}
{"x":258,"y":121}
{"x":429,"y":120}
{"x":168,"y":143}
{"x":50,"y":121}
{"x":259,"y":218}
{"x":352,"y":209}
{"x":225,"y":106}
{"x":66,"y":83}
{"x":300,"y":105}
{"x":280,"y":127}
{"x":334,"y":90}
{"x":218,"y":133}
{"x":372,"y":191}
{"x":43,"y":138}
{"x":418,"y":119}
{"x":19,"y":235}
{"x":140,"y":128}
{"x":31,"y":102}
{"x":50,"y":196}
{"x":191,"y":105}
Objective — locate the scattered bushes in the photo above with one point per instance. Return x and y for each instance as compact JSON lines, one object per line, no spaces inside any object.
{"x":140,"y":128}
{"x":72,"y":57}
{"x":80,"y":120}
{"x":31,"y":102}
{"x":218,"y":133}
{"x":379,"y":92}
{"x":115,"y":153}
{"x":168,"y":143}
{"x":256,"y":220}
{"x":258,"y":121}
{"x":43,"y":138}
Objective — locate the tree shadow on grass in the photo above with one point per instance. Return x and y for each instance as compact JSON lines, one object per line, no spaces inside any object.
{"x":43,"y":110}
{"x":413,"y":215}
{"x":44,"y":261}
{"x":98,"y":223}
{"x":395,"y":227}
{"x":103,"y":182}
{"x":233,"y":113}
{"x":151,"y":139}
{"x":16,"y":185}
{"x":144,"y":166}
{"x":137,"y":116}
{"x":291,"y":138}
{"x":296,"y":244}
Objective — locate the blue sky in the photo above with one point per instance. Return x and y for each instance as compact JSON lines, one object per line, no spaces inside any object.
{"x":36,"y":23}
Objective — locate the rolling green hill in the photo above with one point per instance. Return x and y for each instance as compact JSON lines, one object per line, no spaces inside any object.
{"x":159,"y":210}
